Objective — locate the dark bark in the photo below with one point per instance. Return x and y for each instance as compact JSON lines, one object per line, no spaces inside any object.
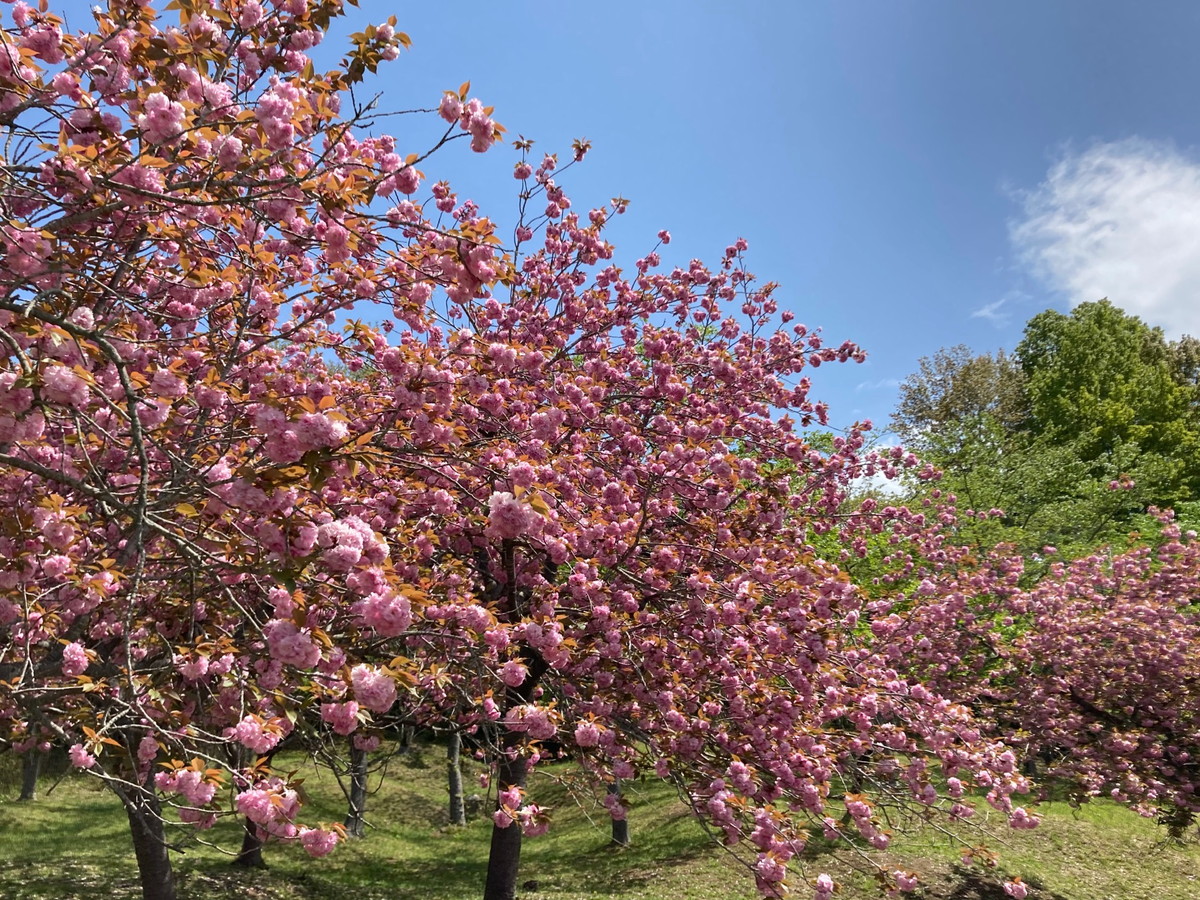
{"x":505,"y":856}
{"x":355,"y":823}
{"x":251,"y":855}
{"x":31,"y":767}
{"x":454,"y":782}
{"x":149,"y":841}
{"x":620,"y":827}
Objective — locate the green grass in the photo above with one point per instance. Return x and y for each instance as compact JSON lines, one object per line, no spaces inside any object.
{"x":73,"y":843}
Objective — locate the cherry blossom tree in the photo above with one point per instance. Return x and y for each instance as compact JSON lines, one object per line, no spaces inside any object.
{"x":187,"y":207}
{"x":613,"y":508}
{"x":1089,"y":670}
{"x":534,"y":495}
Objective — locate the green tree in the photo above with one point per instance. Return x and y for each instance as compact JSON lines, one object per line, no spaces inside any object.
{"x":1108,"y":384}
{"x":1091,"y":421}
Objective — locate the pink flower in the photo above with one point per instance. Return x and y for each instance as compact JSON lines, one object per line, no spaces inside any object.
{"x":189,"y":784}
{"x":769,"y":870}
{"x":166,"y":383}
{"x":513,"y":673}
{"x":162,"y":118}
{"x":61,"y":385}
{"x":57,"y":566}
{"x":451,"y":107}
{"x":1020,"y":818}
{"x":255,"y":734}
{"x":387,"y":613}
{"x":192,"y":669}
{"x":367,"y":742}
{"x":45,"y":42}
{"x":13,"y":398}
{"x":1016,"y":888}
{"x":80,"y":758}
{"x":905,"y":881}
{"x":251,"y":14}
{"x":533,"y":720}
{"x":75,"y":661}
{"x":533,"y":820}
{"x":26,"y":250}
{"x":147,"y":750}
{"x":349,"y":541}
{"x":511,"y":798}
{"x":407,"y":180}
{"x":227,"y":150}
{"x":587,"y":734}
{"x":282,"y":600}
{"x":508,"y":517}
{"x":343,"y":717}
{"x":373,"y":688}
{"x":317,"y":430}
{"x":290,"y":645}
{"x":317,"y":842}
{"x":255,"y":805}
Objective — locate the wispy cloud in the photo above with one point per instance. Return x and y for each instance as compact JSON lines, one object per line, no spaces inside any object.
{"x":992,"y":313}
{"x":1119,"y":220}
{"x":880,"y":385}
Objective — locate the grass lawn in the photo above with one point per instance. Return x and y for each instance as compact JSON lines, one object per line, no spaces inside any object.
{"x":73,"y":842}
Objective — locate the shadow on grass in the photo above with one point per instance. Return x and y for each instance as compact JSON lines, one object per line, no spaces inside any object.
{"x":66,"y":881}
{"x":965,"y":883}
{"x":379,"y":879}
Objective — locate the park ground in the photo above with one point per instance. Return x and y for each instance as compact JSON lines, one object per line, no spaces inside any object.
{"x":72,"y":842}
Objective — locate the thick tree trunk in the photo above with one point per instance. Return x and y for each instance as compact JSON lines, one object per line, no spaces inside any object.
{"x":31,"y":767}
{"x":620,"y":827}
{"x":149,"y":841}
{"x":505,"y":856}
{"x":356,"y":825}
{"x":251,"y":855}
{"x":458,"y":809}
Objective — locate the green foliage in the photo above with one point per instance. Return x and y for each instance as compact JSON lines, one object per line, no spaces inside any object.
{"x":1094,"y":419}
{"x":1103,"y":381}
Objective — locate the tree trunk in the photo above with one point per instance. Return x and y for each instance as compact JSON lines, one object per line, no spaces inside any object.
{"x":355,"y":823}
{"x":31,"y":767}
{"x":620,"y":827}
{"x":505,"y":856}
{"x":458,"y":810}
{"x":251,"y":855}
{"x":149,"y":841}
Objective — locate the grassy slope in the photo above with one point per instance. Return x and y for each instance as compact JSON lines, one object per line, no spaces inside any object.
{"x":73,"y":843}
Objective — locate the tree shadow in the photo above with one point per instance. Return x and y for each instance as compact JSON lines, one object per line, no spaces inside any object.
{"x":966,"y":883}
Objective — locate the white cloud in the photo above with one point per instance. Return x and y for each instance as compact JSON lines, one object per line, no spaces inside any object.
{"x":1119,"y":220}
{"x":992,"y":313}
{"x":882,"y":384}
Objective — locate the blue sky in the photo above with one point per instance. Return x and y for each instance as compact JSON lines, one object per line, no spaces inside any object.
{"x":914,"y":174}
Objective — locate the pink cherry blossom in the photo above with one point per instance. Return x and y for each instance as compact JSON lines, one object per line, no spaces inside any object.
{"x":318,"y":842}
{"x":374,"y":689}
{"x":80,"y":758}
{"x":75,"y":660}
